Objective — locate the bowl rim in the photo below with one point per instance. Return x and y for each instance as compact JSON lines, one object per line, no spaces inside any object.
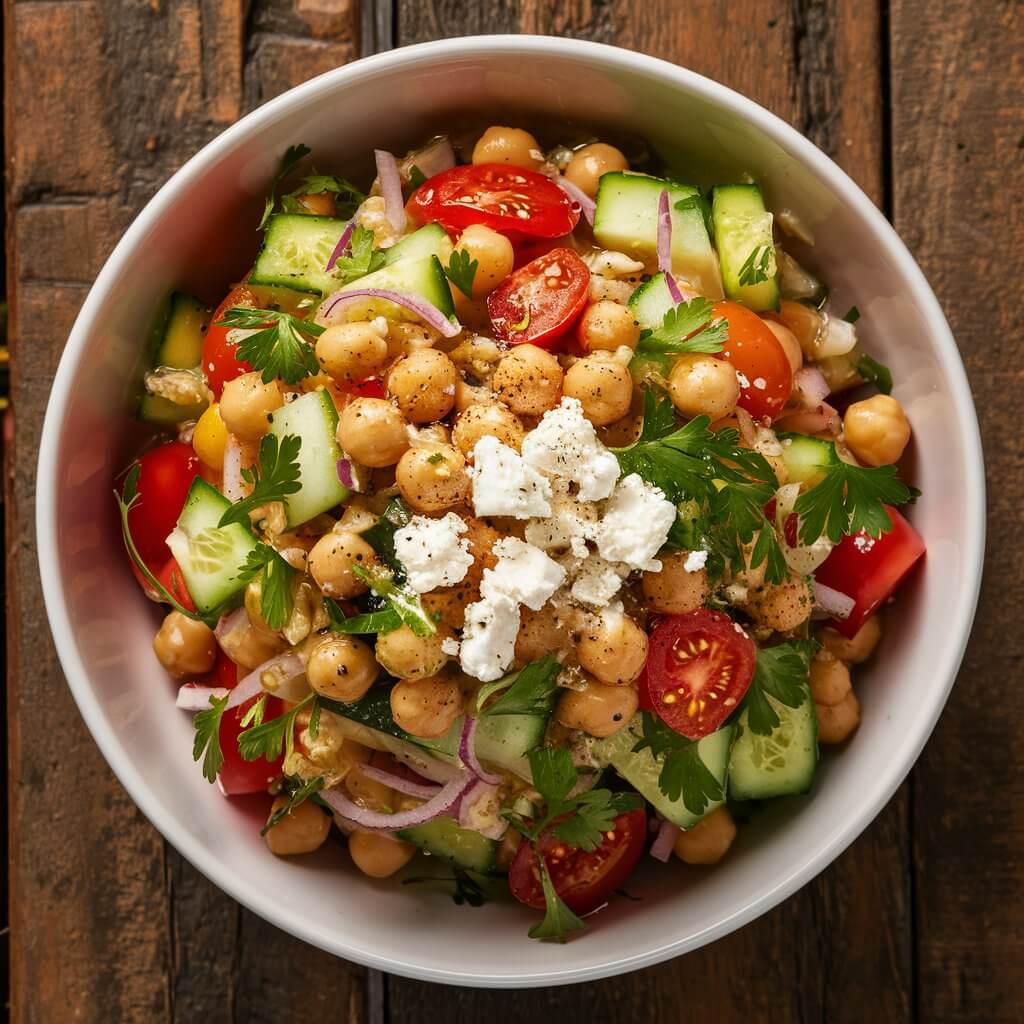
{"x":882,"y":784}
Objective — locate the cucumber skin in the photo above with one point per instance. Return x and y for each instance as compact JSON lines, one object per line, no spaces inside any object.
{"x":269,"y":269}
{"x":429,"y":240}
{"x":445,"y":839}
{"x":806,"y":458}
{"x":650,"y":302}
{"x":424,"y":277}
{"x":735,"y":211}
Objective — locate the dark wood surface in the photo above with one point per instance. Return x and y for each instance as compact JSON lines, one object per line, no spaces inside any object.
{"x":923,"y":917}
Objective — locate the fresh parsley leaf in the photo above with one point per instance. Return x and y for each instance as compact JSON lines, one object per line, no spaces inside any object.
{"x":372,"y":622}
{"x":852,"y":315}
{"x":346,"y":196}
{"x":274,"y":477}
{"x":594,"y":814}
{"x":782,"y":673}
{"x":299,"y":793}
{"x":292,"y":155}
{"x":254,"y":716}
{"x":275,"y":586}
{"x":875,"y":373}
{"x":687,"y":327}
{"x":558,"y":918}
{"x":529,"y":692}
{"x":702,"y":206}
{"x":461,"y":270}
{"x":206,"y":744}
{"x":849,"y":499}
{"x":405,"y":602}
{"x":381,"y":536}
{"x":360,"y":259}
{"x":758,"y":266}
{"x":278,"y":346}
{"x":416,"y":177}
{"x":553,"y":773}
{"x":268,"y":738}
{"x":683,"y":771}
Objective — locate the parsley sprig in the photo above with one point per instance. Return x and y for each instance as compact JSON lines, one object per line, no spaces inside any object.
{"x":384,"y":621}
{"x":875,"y":373}
{"x":280,"y":346}
{"x":758,"y":266}
{"x":292,"y":155}
{"x":461,"y":270}
{"x":298,"y":792}
{"x":688,"y":327}
{"x":346,"y":196}
{"x":782,"y":673}
{"x":403,"y":601}
{"x":360,"y":258}
{"x":530,"y":691}
{"x":206,"y":743}
{"x":266,"y":739}
{"x":275,"y":584}
{"x":275,"y":476}
{"x":381,"y":536}
{"x":683,"y":771}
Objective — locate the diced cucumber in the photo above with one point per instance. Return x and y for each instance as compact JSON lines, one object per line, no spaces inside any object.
{"x":626,"y":219}
{"x":642,"y":769}
{"x":650,"y":302}
{"x":211,"y":556}
{"x":296,"y":249}
{"x":806,"y":458}
{"x":780,"y":764}
{"x":430,"y":240}
{"x":746,"y":248}
{"x":419,"y":277}
{"x":314,"y":420}
{"x":462,"y":847}
{"x":179,"y":347}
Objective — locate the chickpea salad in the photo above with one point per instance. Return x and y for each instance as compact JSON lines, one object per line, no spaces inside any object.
{"x":526,"y":513}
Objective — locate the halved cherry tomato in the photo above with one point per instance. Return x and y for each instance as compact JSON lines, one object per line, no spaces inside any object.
{"x":171,"y":578}
{"x":219,"y":362}
{"x":165,"y":475}
{"x":371,"y":387}
{"x":869,"y":569}
{"x":699,"y":666}
{"x":584,"y":880}
{"x":508,"y":199}
{"x":237,"y":775}
{"x":766,"y":378}
{"x":539,"y":302}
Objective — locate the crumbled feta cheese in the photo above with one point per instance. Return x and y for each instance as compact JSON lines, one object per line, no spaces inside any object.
{"x":565,"y":445}
{"x":524,"y":574}
{"x":695,"y":561}
{"x":635,"y":525}
{"x":489,"y":638}
{"x":504,"y":485}
{"x":432,"y":552}
{"x":598,"y":581}
{"x":450,"y":646}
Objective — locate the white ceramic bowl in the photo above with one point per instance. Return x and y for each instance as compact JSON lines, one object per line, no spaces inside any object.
{"x":103,"y":626}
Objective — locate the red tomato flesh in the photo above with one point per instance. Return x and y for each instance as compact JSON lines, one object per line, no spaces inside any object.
{"x":699,"y":666}
{"x":766,"y":378}
{"x":171,"y":578}
{"x":584,"y":880}
{"x":165,"y":475}
{"x":508,"y":199}
{"x":538,"y":303}
{"x":219,"y":362}
{"x":869,"y":569}
{"x":238,"y":776}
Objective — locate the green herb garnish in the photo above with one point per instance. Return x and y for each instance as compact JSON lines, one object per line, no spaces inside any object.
{"x":275,"y":586}
{"x":461,"y":270}
{"x":206,"y":744}
{"x":875,"y":373}
{"x":298,"y":792}
{"x":404,"y":602}
{"x":683,"y":772}
{"x":280,"y":345}
{"x":758,"y":266}
{"x":781,"y":673}
{"x":346,"y":196}
{"x":360,"y":259}
{"x":383,"y":621}
{"x":687,"y":327}
{"x":274,"y":477}
{"x":527,"y":692}
{"x":267,"y":739}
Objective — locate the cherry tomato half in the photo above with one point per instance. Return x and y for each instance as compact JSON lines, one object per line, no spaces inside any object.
{"x":539,"y":302}
{"x":584,"y":880}
{"x":219,"y":362}
{"x":238,"y":776}
{"x":171,"y":578}
{"x":869,"y":569}
{"x":509,"y":199}
{"x":699,"y":666}
{"x":165,"y":475}
{"x":766,"y":378}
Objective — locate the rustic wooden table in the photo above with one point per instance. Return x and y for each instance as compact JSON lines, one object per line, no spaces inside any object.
{"x":923,"y":104}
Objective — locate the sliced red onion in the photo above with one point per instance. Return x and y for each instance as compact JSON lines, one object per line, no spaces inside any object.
{"x":467,"y":752}
{"x":748,"y":432}
{"x":390,"y":188}
{"x":288,"y":664}
{"x":478,"y":792}
{"x":423,"y":309}
{"x":433,"y":808}
{"x":833,"y":602}
{"x":822,"y":419}
{"x":661,"y":848}
{"x":673,"y":288}
{"x":228,"y":623}
{"x":664,"y":234}
{"x":197,"y":698}
{"x":810,"y":385}
{"x":345,"y":475}
{"x":232,"y":483}
{"x":339,"y":249}
{"x":397,"y":783}
{"x":578,"y":196}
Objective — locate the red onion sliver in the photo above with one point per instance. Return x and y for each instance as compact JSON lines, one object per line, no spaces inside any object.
{"x":232,"y":485}
{"x":837,"y":605}
{"x":289,"y":664}
{"x":345,"y":477}
{"x":477,"y":793}
{"x":578,"y":196}
{"x":229,"y":622}
{"x":467,"y":752}
{"x":433,"y":808}
{"x":819,"y":420}
{"x":397,"y":783}
{"x":197,"y":698}
{"x":810,"y":384}
{"x":664,"y":233}
{"x":339,"y":249}
{"x":661,"y":848}
{"x":423,"y":309}
{"x":673,"y":288}
{"x":391,"y":188}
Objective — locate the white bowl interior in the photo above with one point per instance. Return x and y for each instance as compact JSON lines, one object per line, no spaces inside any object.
{"x":188,"y":237}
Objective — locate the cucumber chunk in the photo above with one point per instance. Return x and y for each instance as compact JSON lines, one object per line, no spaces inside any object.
{"x":211,"y":556}
{"x":626,"y":219}
{"x":780,"y":764}
{"x":314,"y":420}
{"x":430,"y":240}
{"x":296,"y":248}
{"x":806,"y":458}
{"x":642,"y":769}
{"x":650,"y":302}
{"x":422,"y":277}
{"x":746,"y":248}
{"x":462,"y":847}
{"x":179,"y":347}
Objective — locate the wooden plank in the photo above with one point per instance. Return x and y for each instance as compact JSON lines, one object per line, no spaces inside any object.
{"x":109,"y":924}
{"x":818,"y":66}
{"x":957,"y":150}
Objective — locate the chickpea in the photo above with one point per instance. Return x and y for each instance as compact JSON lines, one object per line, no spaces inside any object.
{"x":432,"y":478}
{"x":450,"y":602}
{"x":587,"y":165}
{"x":353,"y":351}
{"x":674,"y":591}
{"x":408,"y":656}
{"x":701,"y":385}
{"x":184,"y":646}
{"x":467,"y":395}
{"x":857,"y":649}
{"x":598,"y":709}
{"x":332,"y":559}
{"x":540,"y":633}
{"x":709,"y":840}
{"x":513,"y":146}
{"x":367,"y":792}
{"x":426,"y":707}
{"x":342,"y":667}
{"x":493,"y":253}
{"x":830,"y":679}
{"x":319,"y":203}
{"x":487,"y":419}
{"x":373,"y":432}
{"x":253,"y":602}
{"x":613,"y":649}
{"x":423,"y":384}
{"x":876,"y":430}
{"x":210,"y":438}
{"x":782,"y":606}
{"x":250,"y":646}
{"x":606,"y":326}
{"x":604,"y":389}
{"x":836,"y":722}
{"x":246,"y":404}
{"x":528,"y":380}
{"x":302,"y":830}
{"x":787,"y":339}
{"x":404,"y":337}
{"x":377,"y":854}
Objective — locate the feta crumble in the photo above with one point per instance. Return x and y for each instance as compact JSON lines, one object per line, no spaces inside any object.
{"x":504,"y":485}
{"x":635,"y":525}
{"x":695,"y":561}
{"x":489,"y":638}
{"x":450,"y":646}
{"x":432,"y":552}
{"x":524,"y":574}
{"x":597,"y":581}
